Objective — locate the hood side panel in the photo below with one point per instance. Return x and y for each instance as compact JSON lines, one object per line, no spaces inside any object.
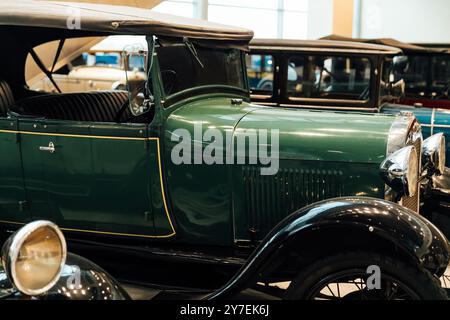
{"x":324,"y":136}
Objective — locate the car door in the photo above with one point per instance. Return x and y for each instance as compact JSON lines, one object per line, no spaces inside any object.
{"x":57,"y":165}
{"x":95,"y":176}
{"x":13,"y":206}
{"x":121,"y":191}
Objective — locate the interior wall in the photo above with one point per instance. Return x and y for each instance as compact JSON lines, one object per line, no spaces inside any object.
{"x":320,"y":18}
{"x":406,"y":20}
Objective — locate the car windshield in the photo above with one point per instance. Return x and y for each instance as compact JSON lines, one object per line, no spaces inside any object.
{"x":322,"y":77}
{"x":185,"y":66}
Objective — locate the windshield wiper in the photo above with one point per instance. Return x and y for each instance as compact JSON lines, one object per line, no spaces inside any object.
{"x":193,"y":51}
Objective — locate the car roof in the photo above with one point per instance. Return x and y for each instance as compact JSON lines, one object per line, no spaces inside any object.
{"x":323,"y":45}
{"x":113,"y":19}
{"x":407,"y":48}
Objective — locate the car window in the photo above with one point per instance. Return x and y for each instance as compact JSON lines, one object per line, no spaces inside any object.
{"x":337,"y":78}
{"x":260,"y":71}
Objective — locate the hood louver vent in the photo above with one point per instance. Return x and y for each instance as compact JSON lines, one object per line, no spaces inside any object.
{"x":269,"y":199}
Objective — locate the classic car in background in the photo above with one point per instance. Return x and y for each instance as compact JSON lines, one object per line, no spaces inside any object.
{"x":103,"y":169}
{"x":36,"y":265}
{"x":100,"y":68}
{"x":426,"y":73}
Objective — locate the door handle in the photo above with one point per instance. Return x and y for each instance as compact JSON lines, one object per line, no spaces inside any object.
{"x":50,"y":148}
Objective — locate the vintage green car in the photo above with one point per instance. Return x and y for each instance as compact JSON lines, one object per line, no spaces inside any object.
{"x":188,"y":169}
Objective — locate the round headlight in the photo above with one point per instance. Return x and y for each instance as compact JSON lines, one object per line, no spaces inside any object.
{"x":34,"y":257}
{"x":400,"y":171}
{"x":434,"y":153}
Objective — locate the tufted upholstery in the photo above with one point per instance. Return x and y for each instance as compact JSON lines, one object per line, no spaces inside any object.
{"x":6,"y":98}
{"x":101,"y":106}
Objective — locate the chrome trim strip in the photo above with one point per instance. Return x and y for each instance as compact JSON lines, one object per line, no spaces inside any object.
{"x":261,"y":96}
{"x":446,"y":126}
{"x":433,"y":119}
{"x":358,"y":102}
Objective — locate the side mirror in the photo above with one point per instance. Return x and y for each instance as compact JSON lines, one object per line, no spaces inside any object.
{"x":34,"y":257}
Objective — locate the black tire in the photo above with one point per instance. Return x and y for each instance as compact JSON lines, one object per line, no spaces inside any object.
{"x":421,"y":284}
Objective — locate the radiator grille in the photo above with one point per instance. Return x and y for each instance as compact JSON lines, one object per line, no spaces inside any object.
{"x":413,"y":203}
{"x":269,"y":199}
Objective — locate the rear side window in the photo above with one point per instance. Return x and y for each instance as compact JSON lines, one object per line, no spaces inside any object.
{"x":260,"y":71}
{"x":334,"y":78}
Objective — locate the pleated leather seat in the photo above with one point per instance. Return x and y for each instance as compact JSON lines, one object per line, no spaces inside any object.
{"x":101,"y":106}
{"x":6,"y":98}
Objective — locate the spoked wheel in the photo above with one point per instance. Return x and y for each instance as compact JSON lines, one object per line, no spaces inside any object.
{"x":345,"y":277}
{"x":352,"y":285}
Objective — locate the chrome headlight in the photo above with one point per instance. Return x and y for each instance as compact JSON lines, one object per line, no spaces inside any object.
{"x":399,"y":171}
{"x":433,"y":154}
{"x":34,"y":256}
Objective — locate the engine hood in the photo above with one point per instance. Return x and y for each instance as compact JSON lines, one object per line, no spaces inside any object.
{"x":303,"y":134}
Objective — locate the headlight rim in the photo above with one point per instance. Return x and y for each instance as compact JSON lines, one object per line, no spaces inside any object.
{"x":13,"y":254}
{"x":431,"y":152}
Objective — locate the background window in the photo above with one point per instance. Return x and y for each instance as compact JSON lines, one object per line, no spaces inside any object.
{"x":267,"y":18}
{"x":318,"y":77}
{"x":260,"y":73}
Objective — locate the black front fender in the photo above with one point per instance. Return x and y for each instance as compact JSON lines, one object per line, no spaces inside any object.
{"x":412,"y":235}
